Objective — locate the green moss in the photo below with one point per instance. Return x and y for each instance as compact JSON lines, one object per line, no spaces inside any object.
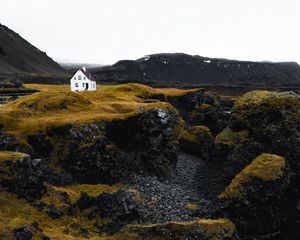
{"x":229,"y":137}
{"x":194,"y":132}
{"x":266,"y":167}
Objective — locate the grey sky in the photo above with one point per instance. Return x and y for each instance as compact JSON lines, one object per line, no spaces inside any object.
{"x":104,"y":31}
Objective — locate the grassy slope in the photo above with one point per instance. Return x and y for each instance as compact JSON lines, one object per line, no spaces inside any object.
{"x":57,"y":106}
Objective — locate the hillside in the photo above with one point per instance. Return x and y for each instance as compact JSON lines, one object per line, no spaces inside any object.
{"x":185,"y":69}
{"x":19,"y":58}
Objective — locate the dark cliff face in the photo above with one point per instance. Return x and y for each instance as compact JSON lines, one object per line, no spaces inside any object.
{"x":19,"y":57}
{"x":187,"y":69}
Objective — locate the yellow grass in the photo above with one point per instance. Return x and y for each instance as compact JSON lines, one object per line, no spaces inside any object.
{"x":73,"y":192}
{"x":17,"y":213}
{"x":11,"y":156}
{"x":192,"y":206}
{"x":47,"y":109}
{"x":211,"y":229}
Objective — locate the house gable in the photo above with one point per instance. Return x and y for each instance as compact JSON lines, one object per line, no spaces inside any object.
{"x":82,"y":81}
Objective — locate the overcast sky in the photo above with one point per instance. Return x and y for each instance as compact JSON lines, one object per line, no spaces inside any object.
{"x":105,"y":31}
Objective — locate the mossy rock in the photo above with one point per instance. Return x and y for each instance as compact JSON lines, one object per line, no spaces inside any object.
{"x":254,"y":197}
{"x":197,"y":140}
{"x":257,"y":108}
{"x":202,"y":229}
{"x":7,"y":166}
{"x":266,"y":167}
{"x":228,"y":137}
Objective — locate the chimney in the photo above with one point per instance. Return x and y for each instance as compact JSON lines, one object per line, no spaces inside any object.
{"x":84,"y":69}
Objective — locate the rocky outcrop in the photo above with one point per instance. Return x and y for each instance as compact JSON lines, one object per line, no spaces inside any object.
{"x":200,"y":108}
{"x":262,"y":121}
{"x":197,"y":141}
{"x":252,"y":200}
{"x":265,"y":122}
{"x":120,"y":208}
{"x":109,"y":151}
{"x":220,"y":229}
{"x":27,"y":177}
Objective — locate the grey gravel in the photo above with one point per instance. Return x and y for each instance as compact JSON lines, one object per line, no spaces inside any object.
{"x":167,"y":200}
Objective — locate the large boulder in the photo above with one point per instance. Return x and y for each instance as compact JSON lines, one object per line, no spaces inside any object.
{"x":252,"y":200}
{"x":265,"y":122}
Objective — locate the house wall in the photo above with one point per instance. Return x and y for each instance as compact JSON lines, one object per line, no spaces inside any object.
{"x":81,"y":84}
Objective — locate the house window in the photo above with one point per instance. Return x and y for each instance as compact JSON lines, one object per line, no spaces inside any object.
{"x":83,"y":84}
{"x":76,"y":84}
{"x":79,"y":77}
{"x":84,"y":78}
{"x":74,"y":78}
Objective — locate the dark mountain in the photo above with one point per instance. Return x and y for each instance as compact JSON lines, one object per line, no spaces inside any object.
{"x":185,"y":69}
{"x":19,"y":58}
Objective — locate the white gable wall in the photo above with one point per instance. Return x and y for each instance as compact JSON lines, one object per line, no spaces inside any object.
{"x":79,"y":82}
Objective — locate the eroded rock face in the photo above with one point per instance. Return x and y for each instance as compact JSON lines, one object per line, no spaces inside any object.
{"x":220,"y":229}
{"x":106,"y":151}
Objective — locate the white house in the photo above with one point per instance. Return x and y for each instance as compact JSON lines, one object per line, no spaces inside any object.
{"x":82,"y":81}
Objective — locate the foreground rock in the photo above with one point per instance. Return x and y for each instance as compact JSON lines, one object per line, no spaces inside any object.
{"x":252,"y":200}
{"x":265,"y":122}
{"x":112,"y":151}
{"x":220,"y":229}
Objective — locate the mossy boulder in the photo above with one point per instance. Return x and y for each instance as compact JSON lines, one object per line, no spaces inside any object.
{"x":202,"y":229}
{"x":265,"y":122}
{"x":261,"y":121}
{"x":198,"y":141}
{"x":252,"y":199}
{"x":259,"y":108}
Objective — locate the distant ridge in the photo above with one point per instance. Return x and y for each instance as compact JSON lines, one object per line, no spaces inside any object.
{"x":184,"y":69}
{"x":21,"y":59}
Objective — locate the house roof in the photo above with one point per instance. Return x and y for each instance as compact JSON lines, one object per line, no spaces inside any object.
{"x":87,"y":74}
